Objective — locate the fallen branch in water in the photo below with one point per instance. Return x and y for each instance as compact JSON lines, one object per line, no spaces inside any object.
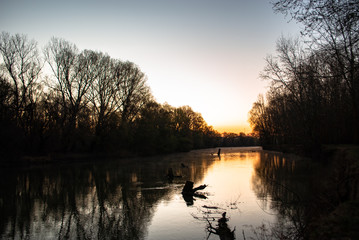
{"x":188,"y":192}
{"x":210,"y":207}
{"x":188,"y":188}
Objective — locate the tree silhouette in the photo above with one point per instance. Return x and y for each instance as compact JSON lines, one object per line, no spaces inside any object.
{"x":332,"y":30}
{"x":89,"y":102}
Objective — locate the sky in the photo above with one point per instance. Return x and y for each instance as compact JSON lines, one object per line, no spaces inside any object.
{"x":206,"y":54}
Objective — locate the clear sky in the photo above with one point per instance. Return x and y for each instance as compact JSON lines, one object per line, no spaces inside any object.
{"x":203,"y":53}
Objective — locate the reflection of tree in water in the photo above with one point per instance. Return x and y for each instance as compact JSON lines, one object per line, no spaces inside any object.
{"x":106,"y":210}
{"x":222,"y":229}
{"x":314,"y":200}
{"x":91,"y":203}
{"x":217,"y":223}
{"x":283,"y":186}
{"x":101,"y":201}
{"x":80,"y":204}
{"x":215,"y":217}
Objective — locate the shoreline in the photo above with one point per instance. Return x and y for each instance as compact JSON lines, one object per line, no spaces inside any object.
{"x":71,"y":157}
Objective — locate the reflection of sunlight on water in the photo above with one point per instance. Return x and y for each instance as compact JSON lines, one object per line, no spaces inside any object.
{"x":229,"y":177}
{"x":135,"y":200}
{"x":230,"y":190}
{"x":172,"y":221}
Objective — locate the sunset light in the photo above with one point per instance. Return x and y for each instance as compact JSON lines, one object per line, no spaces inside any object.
{"x":179,"y":119}
{"x":204,"y":54}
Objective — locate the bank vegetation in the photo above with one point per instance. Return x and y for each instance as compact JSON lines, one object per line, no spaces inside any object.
{"x":314,"y":79}
{"x":63,"y":100}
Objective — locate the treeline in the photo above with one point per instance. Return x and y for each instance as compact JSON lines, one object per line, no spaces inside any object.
{"x":314,"y":94}
{"x":66,"y":100}
{"x":238,"y":140}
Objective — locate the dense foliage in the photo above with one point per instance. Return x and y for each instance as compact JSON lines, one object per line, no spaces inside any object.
{"x":66,"y":100}
{"x":314,"y":94}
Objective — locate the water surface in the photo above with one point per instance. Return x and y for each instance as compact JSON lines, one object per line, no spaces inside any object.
{"x":133,"y":198}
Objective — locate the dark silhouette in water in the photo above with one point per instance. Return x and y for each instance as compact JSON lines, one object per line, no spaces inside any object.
{"x":189,"y":193}
{"x":219,"y":152}
{"x":183,"y":165}
{"x":223,"y":231}
{"x":188,"y":188}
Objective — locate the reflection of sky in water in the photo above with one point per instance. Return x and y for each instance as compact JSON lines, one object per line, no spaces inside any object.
{"x":132,"y":198}
{"x":229,"y":190}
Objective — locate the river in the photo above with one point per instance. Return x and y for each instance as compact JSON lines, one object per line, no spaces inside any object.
{"x":134,"y":199}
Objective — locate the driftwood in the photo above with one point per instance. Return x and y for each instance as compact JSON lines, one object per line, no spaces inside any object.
{"x":189,"y":193}
{"x":188,"y":188}
{"x":210,"y":207}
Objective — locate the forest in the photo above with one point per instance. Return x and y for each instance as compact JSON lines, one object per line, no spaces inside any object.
{"x":63,"y":100}
{"x":312,"y":108}
{"x":314,"y":79}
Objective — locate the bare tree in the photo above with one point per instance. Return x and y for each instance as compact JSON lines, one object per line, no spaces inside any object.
{"x":259,"y":119}
{"x":295,"y":76}
{"x":132,"y":91}
{"x":332,"y":27}
{"x":74,"y":74}
{"x":102,"y":92}
{"x":22,"y":67}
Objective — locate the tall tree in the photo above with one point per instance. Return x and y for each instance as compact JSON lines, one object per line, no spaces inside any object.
{"x":132,"y":91}
{"x":102,"y":92}
{"x":332,"y":27}
{"x":22,"y":68}
{"x":74,"y":73}
{"x":260,"y":121}
{"x":294,"y":74}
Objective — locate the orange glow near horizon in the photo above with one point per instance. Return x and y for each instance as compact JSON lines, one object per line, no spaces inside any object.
{"x":208,"y":56}
{"x":234,"y":128}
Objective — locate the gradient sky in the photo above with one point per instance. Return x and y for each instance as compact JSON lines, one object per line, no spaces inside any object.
{"x":203,"y":53}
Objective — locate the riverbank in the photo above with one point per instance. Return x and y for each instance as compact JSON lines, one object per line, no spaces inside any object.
{"x":73,"y":157}
{"x":320,"y":153}
{"x":336,"y":199}
{"x":332,"y":210}
{"x":54,"y":158}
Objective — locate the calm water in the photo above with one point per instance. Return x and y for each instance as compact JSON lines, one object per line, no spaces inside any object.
{"x":133,"y":199}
